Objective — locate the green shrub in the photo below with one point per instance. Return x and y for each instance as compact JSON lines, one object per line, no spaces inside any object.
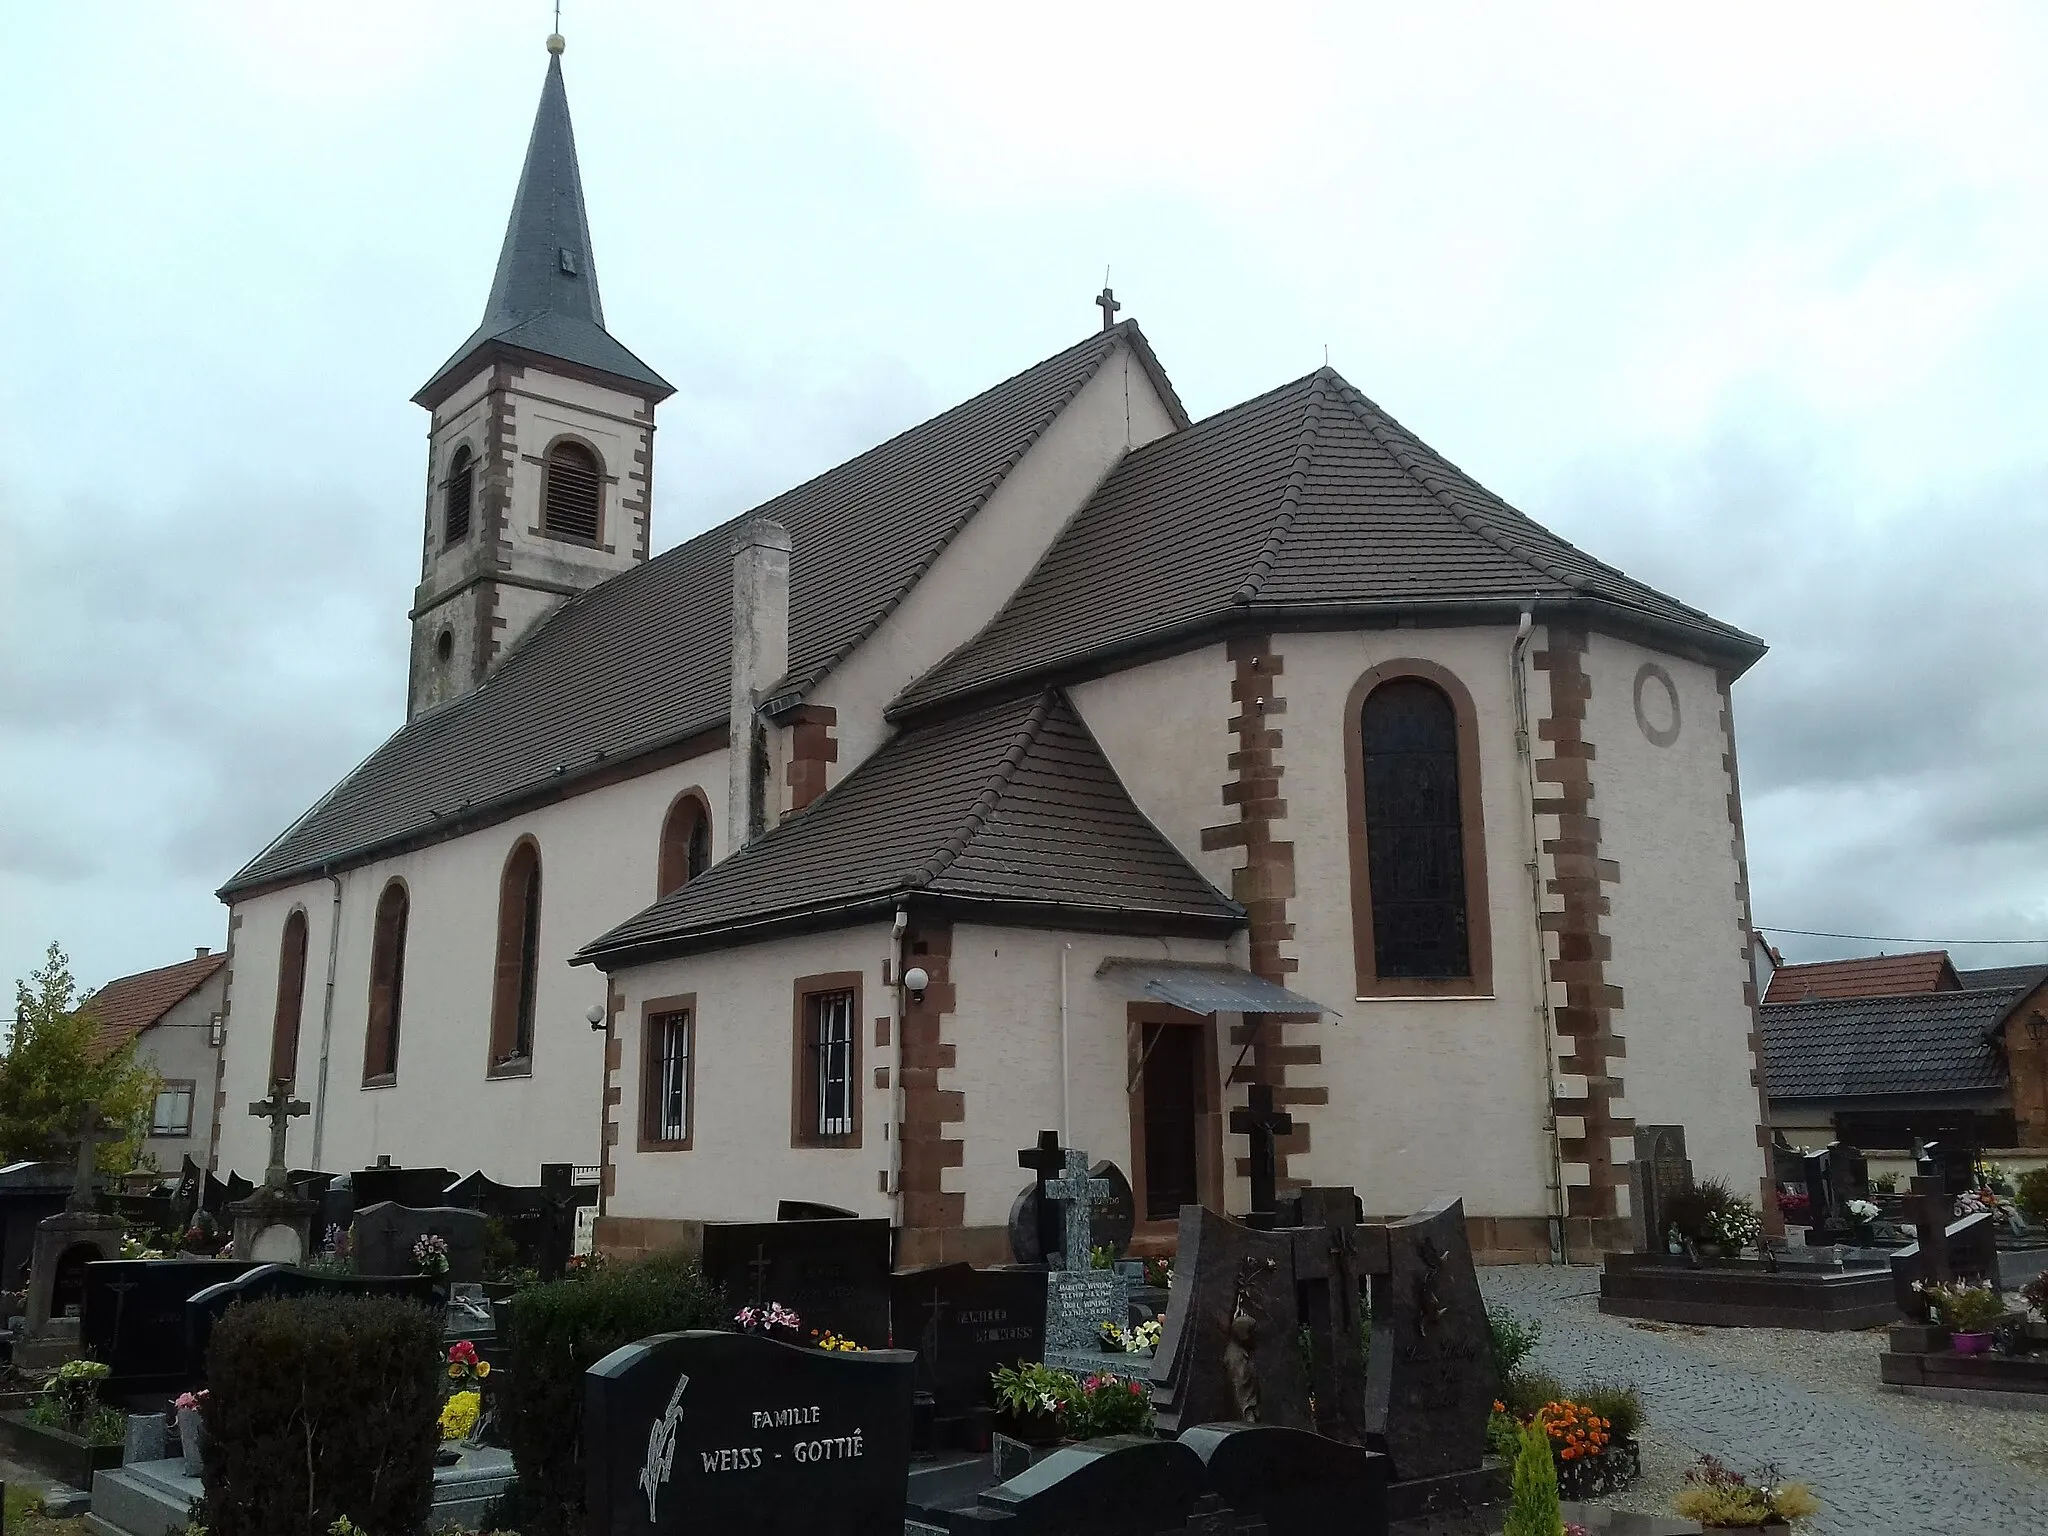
{"x":1526,"y":1391}
{"x":1621,"y":1407}
{"x":1513,"y":1340}
{"x":2033,"y":1196}
{"x":320,"y":1408}
{"x":70,"y":1401}
{"x":558,"y":1331}
{"x":1532,"y":1504}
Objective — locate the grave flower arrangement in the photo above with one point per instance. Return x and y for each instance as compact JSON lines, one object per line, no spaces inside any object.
{"x":1039,"y":1403}
{"x":1986,"y":1200}
{"x":1130,"y":1341}
{"x":70,"y":1401}
{"x":1721,"y":1498}
{"x":467,"y":1372}
{"x":1109,"y":1405}
{"x":430,"y":1253}
{"x":832,"y":1343}
{"x":1795,"y":1207}
{"x":1966,"y":1308}
{"x":767,"y":1320}
{"x":1862,"y":1210}
{"x":1734,"y":1226}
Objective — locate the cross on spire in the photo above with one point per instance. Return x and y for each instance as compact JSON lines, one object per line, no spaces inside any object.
{"x":280,"y":1109}
{"x":1106,"y":301}
{"x":1265,"y":1125}
{"x":1078,"y":1194}
{"x":93,"y":1133}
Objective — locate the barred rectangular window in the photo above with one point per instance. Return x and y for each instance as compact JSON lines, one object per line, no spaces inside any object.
{"x":666,"y":1085}
{"x":832,"y":1036}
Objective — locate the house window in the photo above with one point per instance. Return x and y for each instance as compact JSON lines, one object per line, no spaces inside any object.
{"x":291,"y":995}
{"x":455,"y":524}
{"x":685,"y":842}
{"x":387,"y":984}
{"x":827,"y":1094}
{"x":665,"y":1080}
{"x":516,"y":980}
{"x":173,"y":1113}
{"x":573,"y":493}
{"x":1418,"y":851}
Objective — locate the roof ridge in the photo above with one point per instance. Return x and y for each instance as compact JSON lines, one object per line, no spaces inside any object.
{"x":1410,"y":463}
{"x":1290,"y":500}
{"x":991,"y":793}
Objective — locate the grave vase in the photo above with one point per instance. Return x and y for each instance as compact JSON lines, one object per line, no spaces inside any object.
{"x":1971,"y":1343}
{"x":191,"y":1439}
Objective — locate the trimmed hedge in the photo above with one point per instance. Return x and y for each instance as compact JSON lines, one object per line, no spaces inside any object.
{"x":557,"y":1332}
{"x":319,"y":1408}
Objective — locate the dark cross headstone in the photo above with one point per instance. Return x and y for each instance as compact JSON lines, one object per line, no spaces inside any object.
{"x":418,"y":1187}
{"x":1328,"y":1269}
{"x":1660,"y":1173}
{"x":280,"y":1109}
{"x":1264,"y":1126}
{"x":385,"y":1235}
{"x":833,"y":1274}
{"x":1111,"y":1223}
{"x":965,"y":1322}
{"x":1046,"y":1160}
{"x":132,"y":1318}
{"x":698,"y":1432}
{"x":539,"y":1224}
{"x":1927,"y":1208}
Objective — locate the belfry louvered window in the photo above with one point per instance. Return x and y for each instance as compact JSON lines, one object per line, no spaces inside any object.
{"x":573,"y":494}
{"x":461,"y":472}
{"x":1414,"y":830}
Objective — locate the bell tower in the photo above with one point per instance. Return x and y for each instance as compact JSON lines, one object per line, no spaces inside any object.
{"x":540,"y":453}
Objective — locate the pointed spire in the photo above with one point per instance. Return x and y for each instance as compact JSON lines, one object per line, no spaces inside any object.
{"x":544,"y":295}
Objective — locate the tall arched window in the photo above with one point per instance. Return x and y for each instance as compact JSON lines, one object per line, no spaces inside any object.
{"x":291,"y":997}
{"x":455,"y":525}
{"x":517,"y":978}
{"x":1418,"y":849}
{"x":573,"y":493}
{"x":685,"y":842}
{"x":387,"y":984}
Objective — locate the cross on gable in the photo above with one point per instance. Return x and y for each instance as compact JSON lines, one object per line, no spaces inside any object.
{"x":1265,"y":1125}
{"x":1106,"y":301}
{"x":93,"y":1133}
{"x":1079,"y":1195}
{"x":280,"y":1109}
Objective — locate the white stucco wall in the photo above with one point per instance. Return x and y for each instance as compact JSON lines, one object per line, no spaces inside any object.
{"x":598,"y":866}
{"x":988,"y":559}
{"x":179,"y":1047}
{"x":1679,"y":951}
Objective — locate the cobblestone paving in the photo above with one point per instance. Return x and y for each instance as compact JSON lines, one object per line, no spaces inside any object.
{"x":1882,"y":1465}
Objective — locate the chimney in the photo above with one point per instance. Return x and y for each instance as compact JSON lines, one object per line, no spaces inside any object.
{"x":202,"y":952}
{"x":760,"y":657}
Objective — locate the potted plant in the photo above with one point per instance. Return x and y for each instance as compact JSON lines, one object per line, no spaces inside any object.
{"x":1031,"y":1401}
{"x":1861,"y":1214}
{"x":1721,"y":1498}
{"x":1967,"y":1309}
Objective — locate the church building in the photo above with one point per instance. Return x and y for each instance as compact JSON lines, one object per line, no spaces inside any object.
{"x":1062,"y":762}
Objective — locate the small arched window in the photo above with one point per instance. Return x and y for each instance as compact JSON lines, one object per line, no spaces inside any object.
{"x":517,"y":978}
{"x":573,"y":493}
{"x":461,"y":474}
{"x":1417,"y":841}
{"x":291,"y":996}
{"x":387,"y":984}
{"x":685,"y":842}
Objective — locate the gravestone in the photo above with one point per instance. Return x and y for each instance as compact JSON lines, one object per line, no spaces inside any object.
{"x":1950,"y":1159}
{"x":1230,"y":1351}
{"x":1430,"y":1379}
{"x":1300,"y":1484}
{"x":64,"y":1244}
{"x":1111,"y":1223}
{"x":133,"y":1319}
{"x":421,"y":1188}
{"x":745,"y":1436}
{"x":1123,"y":1485}
{"x":833,"y":1274}
{"x":540,"y":1225}
{"x":261,"y":1282}
{"x":1660,"y":1173}
{"x":275,"y":1225}
{"x":29,"y":1192}
{"x":1263,"y":1126}
{"x":1078,"y":1297}
{"x":963,"y":1323}
{"x":384,"y":1236}
{"x":1835,"y":1176}
{"x":1963,"y":1249}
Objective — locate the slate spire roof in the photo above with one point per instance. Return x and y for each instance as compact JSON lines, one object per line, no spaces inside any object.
{"x":544,"y":297}
{"x":1308,"y":500}
{"x":1005,"y":811}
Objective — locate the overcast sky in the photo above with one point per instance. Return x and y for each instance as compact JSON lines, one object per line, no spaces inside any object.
{"x":1753,"y":305}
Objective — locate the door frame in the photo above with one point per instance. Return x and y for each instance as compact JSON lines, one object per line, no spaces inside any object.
{"x":1158,"y":1234}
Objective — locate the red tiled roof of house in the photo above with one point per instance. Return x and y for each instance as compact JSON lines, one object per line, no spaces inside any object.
{"x":1870,"y":976}
{"x":128,"y":1005}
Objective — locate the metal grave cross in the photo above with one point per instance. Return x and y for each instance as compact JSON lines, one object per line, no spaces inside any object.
{"x":1265,"y":1125}
{"x":280,"y":1109}
{"x":1079,"y":1195}
{"x":93,"y":1133}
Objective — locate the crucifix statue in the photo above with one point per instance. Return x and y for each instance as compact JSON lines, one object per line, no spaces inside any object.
{"x":1106,"y":301}
{"x":1264,"y":1125}
{"x":93,"y":1133}
{"x":1046,"y":1161}
{"x":1079,"y":1195}
{"x":280,"y":1109}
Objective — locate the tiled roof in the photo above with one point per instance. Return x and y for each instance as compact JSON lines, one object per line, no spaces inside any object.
{"x":1003,"y":809}
{"x":1862,"y":1047}
{"x":544,"y":295}
{"x":2026,"y":977}
{"x":1867,"y":976}
{"x":643,"y":659}
{"x":128,"y":1005}
{"x":1307,"y":500}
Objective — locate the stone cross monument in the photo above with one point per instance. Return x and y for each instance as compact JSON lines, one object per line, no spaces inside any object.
{"x":65,"y":1243}
{"x":274,"y":1225}
{"x":1080,"y":1298}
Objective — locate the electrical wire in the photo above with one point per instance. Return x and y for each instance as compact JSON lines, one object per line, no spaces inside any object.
{"x":1881,"y":938}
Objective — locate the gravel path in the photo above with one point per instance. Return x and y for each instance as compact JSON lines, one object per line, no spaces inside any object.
{"x":1881,"y":1464}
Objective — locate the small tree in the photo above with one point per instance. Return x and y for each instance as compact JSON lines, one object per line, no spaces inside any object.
{"x":1532,"y":1505}
{"x":54,"y":1066}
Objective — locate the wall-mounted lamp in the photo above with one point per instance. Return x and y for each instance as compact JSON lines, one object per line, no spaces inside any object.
{"x":915,"y":980}
{"x":596,"y":1017}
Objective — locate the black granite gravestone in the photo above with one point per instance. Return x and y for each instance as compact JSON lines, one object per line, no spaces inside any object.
{"x":1124,"y":1485}
{"x":261,"y":1282}
{"x":28,"y":1193}
{"x":1430,"y":1378}
{"x":1111,"y":1222}
{"x":1660,"y":1173}
{"x":833,"y":1274}
{"x":745,"y":1436}
{"x":539,"y":1225}
{"x":385,"y":1234}
{"x":133,"y":1319}
{"x":812,"y":1210}
{"x":417,"y":1187}
{"x":1231,"y":1346}
{"x":1967,"y":1249}
{"x":1299,"y":1483}
{"x":964,"y":1322}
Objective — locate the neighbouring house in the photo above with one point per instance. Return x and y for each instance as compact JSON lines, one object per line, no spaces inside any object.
{"x":1062,"y":761}
{"x":174,"y":1015}
{"x":1886,"y":1049}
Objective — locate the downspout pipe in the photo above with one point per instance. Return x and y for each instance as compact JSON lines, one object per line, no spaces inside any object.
{"x":1066,"y":1117}
{"x":897,"y":1101}
{"x":1525,"y":750}
{"x":326,"y":1017}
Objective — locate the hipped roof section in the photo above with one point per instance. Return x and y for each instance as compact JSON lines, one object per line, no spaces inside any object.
{"x":1309,"y":500}
{"x":642,"y":660}
{"x":1010,"y":811}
